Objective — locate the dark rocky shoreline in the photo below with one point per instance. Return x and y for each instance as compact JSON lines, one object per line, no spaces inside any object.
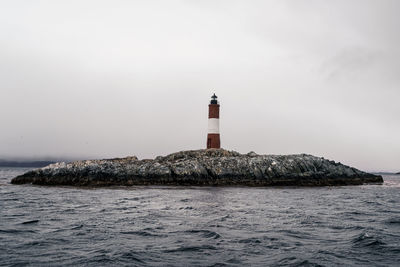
{"x":212,"y":167}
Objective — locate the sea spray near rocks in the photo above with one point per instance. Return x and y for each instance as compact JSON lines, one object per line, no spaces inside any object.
{"x":201,"y":167}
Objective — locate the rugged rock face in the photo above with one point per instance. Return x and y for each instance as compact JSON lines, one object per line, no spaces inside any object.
{"x":201,"y":167}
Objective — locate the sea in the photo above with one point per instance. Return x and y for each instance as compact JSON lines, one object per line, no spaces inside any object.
{"x":199,"y":226}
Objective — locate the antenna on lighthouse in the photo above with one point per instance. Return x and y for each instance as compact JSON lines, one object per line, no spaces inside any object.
{"x":213,"y":138}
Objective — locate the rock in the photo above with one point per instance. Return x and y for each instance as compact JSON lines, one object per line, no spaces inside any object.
{"x":201,"y":167}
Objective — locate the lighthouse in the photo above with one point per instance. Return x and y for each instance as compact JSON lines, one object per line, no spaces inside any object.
{"x":213,"y":140}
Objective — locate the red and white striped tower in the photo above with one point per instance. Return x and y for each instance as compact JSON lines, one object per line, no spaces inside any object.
{"x":213,"y":140}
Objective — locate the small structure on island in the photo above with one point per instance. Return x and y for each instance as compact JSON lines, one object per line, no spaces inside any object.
{"x":213,"y":139}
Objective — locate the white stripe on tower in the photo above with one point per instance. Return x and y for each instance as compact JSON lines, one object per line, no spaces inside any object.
{"x":213,"y":126}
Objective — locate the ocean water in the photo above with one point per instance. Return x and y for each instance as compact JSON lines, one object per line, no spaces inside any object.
{"x":199,"y":226}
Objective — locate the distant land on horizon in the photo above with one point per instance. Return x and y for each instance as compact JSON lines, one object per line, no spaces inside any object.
{"x":386,"y":173}
{"x":25,"y":163}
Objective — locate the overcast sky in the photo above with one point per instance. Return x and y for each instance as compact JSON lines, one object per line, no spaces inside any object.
{"x":100,"y":79}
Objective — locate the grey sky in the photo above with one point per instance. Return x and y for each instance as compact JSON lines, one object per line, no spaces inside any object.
{"x":115,"y":78}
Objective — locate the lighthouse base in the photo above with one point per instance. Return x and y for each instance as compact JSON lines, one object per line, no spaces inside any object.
{"x":213,"y":141}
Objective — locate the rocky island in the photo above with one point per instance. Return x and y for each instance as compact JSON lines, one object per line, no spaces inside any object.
{"x":201,"y":167}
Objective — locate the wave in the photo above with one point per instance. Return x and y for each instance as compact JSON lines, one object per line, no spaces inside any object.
{"x":365,"y":240}
{"x":30,"y":222}
{"x":140,"y":233}
{"x":130,"y":256}
{"x":205,"y":233}
{"x":16,"y":231}
{"x":294,"y":261}
{"x":393,"y":221}
{"x":191,"y":249}
{"x":251,"y":240}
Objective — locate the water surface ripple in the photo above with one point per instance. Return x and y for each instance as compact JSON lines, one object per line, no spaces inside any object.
{"x":199,"y":226}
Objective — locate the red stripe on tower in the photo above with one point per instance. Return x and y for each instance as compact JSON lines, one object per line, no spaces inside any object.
{"x":213,"y":140}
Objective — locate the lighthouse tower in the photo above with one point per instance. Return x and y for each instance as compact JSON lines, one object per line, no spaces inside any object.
{"x":213,"y":140}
